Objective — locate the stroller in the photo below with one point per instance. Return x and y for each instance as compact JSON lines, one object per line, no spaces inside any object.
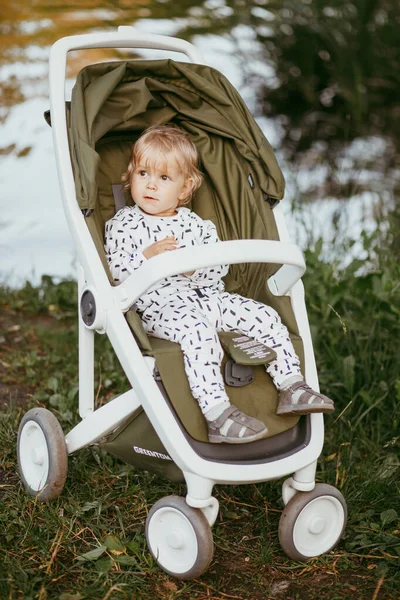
{"x":157,"y":425}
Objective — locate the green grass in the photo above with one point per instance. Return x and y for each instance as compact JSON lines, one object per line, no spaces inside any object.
{"x":90,"y":542}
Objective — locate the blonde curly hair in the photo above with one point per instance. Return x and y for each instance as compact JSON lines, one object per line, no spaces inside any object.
{"x":155,"y":144}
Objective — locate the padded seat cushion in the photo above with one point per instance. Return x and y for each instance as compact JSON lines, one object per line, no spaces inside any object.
{"x":258,"y":399}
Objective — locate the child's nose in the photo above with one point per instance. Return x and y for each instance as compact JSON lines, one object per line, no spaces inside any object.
{"x":151,"y":184}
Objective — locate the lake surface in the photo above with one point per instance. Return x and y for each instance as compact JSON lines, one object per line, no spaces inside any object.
{"x":34,"y":236}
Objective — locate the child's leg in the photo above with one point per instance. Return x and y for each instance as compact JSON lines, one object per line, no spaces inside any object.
{"x":202,"y":351}
{"x":263,"y":324}
{"x":183,"y":322}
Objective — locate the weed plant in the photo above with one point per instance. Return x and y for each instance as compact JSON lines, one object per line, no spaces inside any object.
{"x":90,"y":543}
{"x":355,"y":321}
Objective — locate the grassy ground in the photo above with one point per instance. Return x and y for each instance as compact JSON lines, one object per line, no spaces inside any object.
{"x":44,"y":548}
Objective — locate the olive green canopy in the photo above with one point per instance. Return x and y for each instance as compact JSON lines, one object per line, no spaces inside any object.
{"x":112,"y":103}
{"x":130,"y":96}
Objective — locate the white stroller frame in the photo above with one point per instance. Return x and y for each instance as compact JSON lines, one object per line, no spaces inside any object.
{"x":112,"y":302}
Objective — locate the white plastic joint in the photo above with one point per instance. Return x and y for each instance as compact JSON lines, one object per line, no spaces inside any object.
{"x":302,"y":486}
{"x":209,"y":507}
{"x":91,"y":311}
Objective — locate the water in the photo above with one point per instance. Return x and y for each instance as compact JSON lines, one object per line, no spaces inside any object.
{"x":35,"y":239}
{"x":34,"y":236}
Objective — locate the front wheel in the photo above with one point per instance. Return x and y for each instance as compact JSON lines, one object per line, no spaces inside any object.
{"x":42,"y":454}
{"x":179,"y":537}
{"x":312,"y":523}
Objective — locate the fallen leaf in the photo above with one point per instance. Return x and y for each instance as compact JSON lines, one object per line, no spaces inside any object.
{"x":92,"y":554}
{"x":170,"y":585}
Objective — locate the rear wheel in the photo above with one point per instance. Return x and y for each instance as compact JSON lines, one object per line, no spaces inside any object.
{"x":312,"y":523}
{"x":179,"y":537}
{"x":42,"y":454}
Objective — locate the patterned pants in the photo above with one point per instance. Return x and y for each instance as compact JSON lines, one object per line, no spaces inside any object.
{"x":193,"y":322}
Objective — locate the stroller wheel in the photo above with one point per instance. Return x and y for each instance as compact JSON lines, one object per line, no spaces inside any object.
{"x":312,"y":523}
{"x":179,"y":537}
{"x":42,"y":454}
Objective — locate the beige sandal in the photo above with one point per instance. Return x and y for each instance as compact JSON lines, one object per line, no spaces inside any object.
{"x":242,"y":430}
{"x":300,"y":399}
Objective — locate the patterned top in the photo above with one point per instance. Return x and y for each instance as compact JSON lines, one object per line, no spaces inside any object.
{"x":131,"y":231}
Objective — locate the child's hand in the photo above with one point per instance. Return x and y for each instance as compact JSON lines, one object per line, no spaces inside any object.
{"x":168,"y":243}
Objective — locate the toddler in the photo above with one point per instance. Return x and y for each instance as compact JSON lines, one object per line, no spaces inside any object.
{"x":192,"y":307}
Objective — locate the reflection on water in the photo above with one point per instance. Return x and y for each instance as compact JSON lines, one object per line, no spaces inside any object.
{"x":321,"y":82}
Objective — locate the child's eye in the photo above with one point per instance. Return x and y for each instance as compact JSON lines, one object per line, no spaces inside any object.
{"x":142,"y":173}
{"x":164,"y":177}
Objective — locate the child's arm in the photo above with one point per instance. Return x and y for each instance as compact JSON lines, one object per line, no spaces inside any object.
{"x":208,"y":235}
{"x":122,"y":253}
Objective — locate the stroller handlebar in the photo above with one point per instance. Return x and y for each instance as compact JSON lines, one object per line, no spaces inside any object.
{"x":125,"y":37}
{"x":209,"y":255}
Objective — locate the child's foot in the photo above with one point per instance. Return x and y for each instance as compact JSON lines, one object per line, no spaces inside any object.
{"x":234,"y":427}
{"x":299,"y":399}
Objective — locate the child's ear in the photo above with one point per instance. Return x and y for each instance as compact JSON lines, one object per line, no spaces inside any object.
{"x":186,"y":189}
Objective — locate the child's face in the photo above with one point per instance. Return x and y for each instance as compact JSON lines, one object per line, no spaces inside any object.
{"x":157,"y":187}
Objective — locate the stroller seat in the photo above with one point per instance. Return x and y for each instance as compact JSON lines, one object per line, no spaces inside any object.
{"x":258,"y":398}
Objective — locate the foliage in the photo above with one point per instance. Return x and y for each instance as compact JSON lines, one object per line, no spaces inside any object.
{"x":354,"y":312}
{"x":355,"y":320}
{"x":48,"y":297}
{"x":336,"y":69}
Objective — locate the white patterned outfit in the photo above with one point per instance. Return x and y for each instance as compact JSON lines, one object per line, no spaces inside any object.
{"x":190,"y":310}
